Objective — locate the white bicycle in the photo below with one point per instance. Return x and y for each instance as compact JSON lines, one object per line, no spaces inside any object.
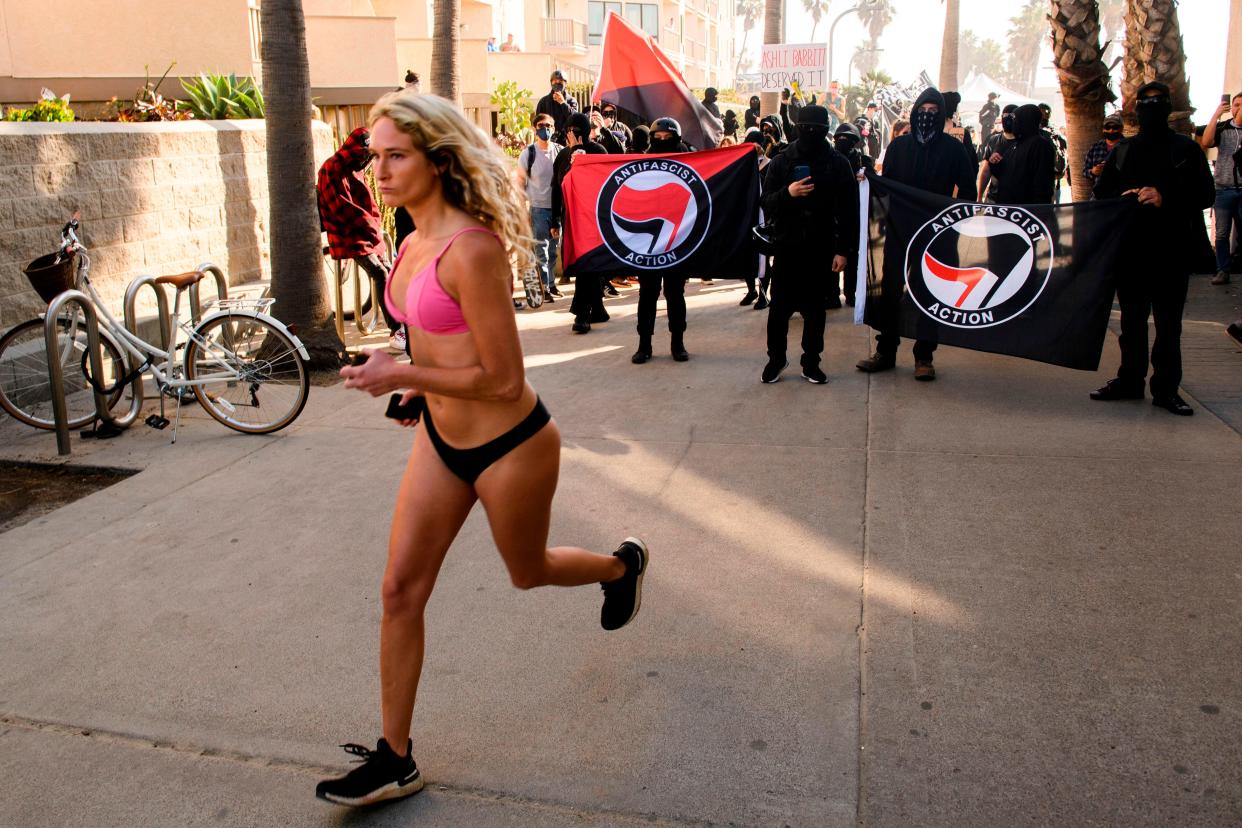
{"x":247,"y":370}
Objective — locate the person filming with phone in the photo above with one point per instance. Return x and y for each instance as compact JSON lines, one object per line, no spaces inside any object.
{"x":1226,"y":136}
{"x":811,"y":196}
{"x":559,"y":104}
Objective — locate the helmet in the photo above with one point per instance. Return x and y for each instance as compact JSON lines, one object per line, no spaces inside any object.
{"x":666,"y":125}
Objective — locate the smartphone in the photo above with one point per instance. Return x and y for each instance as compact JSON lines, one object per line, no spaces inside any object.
{"x":413,"y":410}
{"x":360,"y":358}
{"x":1224,"y":98}
{"x":801,"y":171}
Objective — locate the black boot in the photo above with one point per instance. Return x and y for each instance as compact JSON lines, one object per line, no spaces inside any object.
{"x":678,"y":348}
{"x":751,"y":296}
{"x":644,"y":350}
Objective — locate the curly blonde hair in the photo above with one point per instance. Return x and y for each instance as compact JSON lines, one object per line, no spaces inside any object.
{"x":477,"y":177}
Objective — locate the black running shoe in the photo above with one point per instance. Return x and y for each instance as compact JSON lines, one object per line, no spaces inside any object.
{"x":772,"y":371}
{"x":382,"y":775}
{"x":815,"y":375}
{"x":623,"y":596}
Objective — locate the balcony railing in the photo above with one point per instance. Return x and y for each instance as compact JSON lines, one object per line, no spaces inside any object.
{"x":564,"y":33}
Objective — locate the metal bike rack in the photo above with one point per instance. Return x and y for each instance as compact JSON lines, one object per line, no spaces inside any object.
{"x":338,"y":293}
{"x":56,"y":374}
{"x":161,"y":301}
{"x":222,"y":290}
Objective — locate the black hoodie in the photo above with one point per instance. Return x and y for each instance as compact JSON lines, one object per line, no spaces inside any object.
{"x":779,"y":144}
{"x":1025,"y":172}
{"x":828,"y":214}
{"x":752,"y":114}
{"x":937,"y":166}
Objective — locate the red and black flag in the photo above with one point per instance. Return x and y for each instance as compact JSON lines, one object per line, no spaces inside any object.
{"x":679,"y":215}
{"x":635,"y":75}
{"x":1033,"y":281}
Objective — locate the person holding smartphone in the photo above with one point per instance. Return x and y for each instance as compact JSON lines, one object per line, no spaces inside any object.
{"x":809,"y":191}
{"x":1226,"y":136}
{"x":483,"y":434}
{"x":558,"y":103}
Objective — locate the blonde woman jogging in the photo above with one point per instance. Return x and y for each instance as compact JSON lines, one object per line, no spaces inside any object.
{"x":483,"y":433}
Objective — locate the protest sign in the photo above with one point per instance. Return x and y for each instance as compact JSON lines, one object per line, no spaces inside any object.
{"x":785,"y":64}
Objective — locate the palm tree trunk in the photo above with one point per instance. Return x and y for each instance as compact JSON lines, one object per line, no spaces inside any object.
{"x":1084,"y":80}
{"x":948,"y":48}
{"x":445,"y":46}
{"x":737,"y":69}
{"x":1154,"y":53}
{"x":770,"y":102}
{"x":297,"y":264}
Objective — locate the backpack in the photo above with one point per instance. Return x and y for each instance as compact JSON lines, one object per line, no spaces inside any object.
{"x":528,"y":159}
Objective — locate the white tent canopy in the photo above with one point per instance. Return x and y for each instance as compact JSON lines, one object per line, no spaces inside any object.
{"x":975,"y":91}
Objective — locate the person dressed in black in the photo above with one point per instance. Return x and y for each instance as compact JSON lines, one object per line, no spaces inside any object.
{"x":1169,"y":174}
{"x":853,"y":147}
{"x":1026,"y":169}
{"x":1060,"y":167}
{"x":752,"y":114}
{"x":810,"y":193}
{"x":987,"y":117}
{"x":953,"y":125}
{"x":588,"y":302}
{"x":998,"y":143}
{"x":730,"y":123}
{"x":771,"y":126}
{"x":930,"y":159}
{"x":558,"y":103}
{"x":665,"y":139}
{"x":710,"y":96}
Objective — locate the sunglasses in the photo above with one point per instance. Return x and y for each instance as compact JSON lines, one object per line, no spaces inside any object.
{"x":610,"y":113}
{"x":1154,"y":99}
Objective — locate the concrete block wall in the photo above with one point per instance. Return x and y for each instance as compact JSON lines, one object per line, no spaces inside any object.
{"x":155,"y":198}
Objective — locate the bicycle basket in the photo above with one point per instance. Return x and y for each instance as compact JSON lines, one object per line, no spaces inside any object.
{"x":51,"y":275}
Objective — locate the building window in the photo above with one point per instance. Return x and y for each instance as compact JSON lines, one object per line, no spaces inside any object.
{"x":645,"y":16}
{"x":597,"y":18}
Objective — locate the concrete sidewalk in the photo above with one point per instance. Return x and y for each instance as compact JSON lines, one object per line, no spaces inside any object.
{"x":981,"y":601}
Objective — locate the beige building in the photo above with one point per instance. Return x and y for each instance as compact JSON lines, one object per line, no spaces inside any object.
{"x":358,"y":49}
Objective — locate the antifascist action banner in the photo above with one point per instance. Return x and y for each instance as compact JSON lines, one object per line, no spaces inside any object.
{"x":679,"y":215}
{"x":1033,"y":281}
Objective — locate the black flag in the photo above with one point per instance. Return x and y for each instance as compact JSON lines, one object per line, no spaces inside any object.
{"x":1033,"y":281}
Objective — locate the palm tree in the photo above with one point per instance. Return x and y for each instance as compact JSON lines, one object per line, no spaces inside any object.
{"x":1027,"y":30}
{"x":875,"y":15}
{"x":1083,"y":76}
{"x":297,"y":264}
{"x":770,"y":102}
{"x":1154,"y":53}
{"x":1113,"y":22}
{"x":445,"y":43}
{"x":817,"y":9}
{"x":948,"y":47}
{"x":749,"y":11}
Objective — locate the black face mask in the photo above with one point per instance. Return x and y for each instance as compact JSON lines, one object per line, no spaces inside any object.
{"x":923,"y":125}
{"x":669,"y":144}
{"x":1153,"y":113}
{"x":1007,"y":121}
{"x":1111,"y":134}
{"x":812,"y":139}
{"x":850,"y":149}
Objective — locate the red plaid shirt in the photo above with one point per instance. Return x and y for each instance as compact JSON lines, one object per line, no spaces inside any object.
{"x":346,"y":207}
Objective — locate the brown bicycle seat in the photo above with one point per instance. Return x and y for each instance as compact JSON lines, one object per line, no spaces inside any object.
{"x":182,"y":280}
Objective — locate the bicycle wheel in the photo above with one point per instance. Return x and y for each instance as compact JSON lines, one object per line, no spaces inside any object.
{"x":347,"y":268}
{"x":26,"y":391}
{"x":253,"y":378}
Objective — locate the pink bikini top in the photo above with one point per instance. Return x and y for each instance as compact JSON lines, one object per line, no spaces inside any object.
{"x":428,"y":306}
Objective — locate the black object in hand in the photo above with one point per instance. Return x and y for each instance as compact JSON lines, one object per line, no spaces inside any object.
{"x":413,"y":410}
{"x":360,"y":358}
{"x":801,"y":171}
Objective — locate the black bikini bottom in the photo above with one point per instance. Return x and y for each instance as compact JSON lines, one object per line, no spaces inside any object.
{"x":469,"y":463}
